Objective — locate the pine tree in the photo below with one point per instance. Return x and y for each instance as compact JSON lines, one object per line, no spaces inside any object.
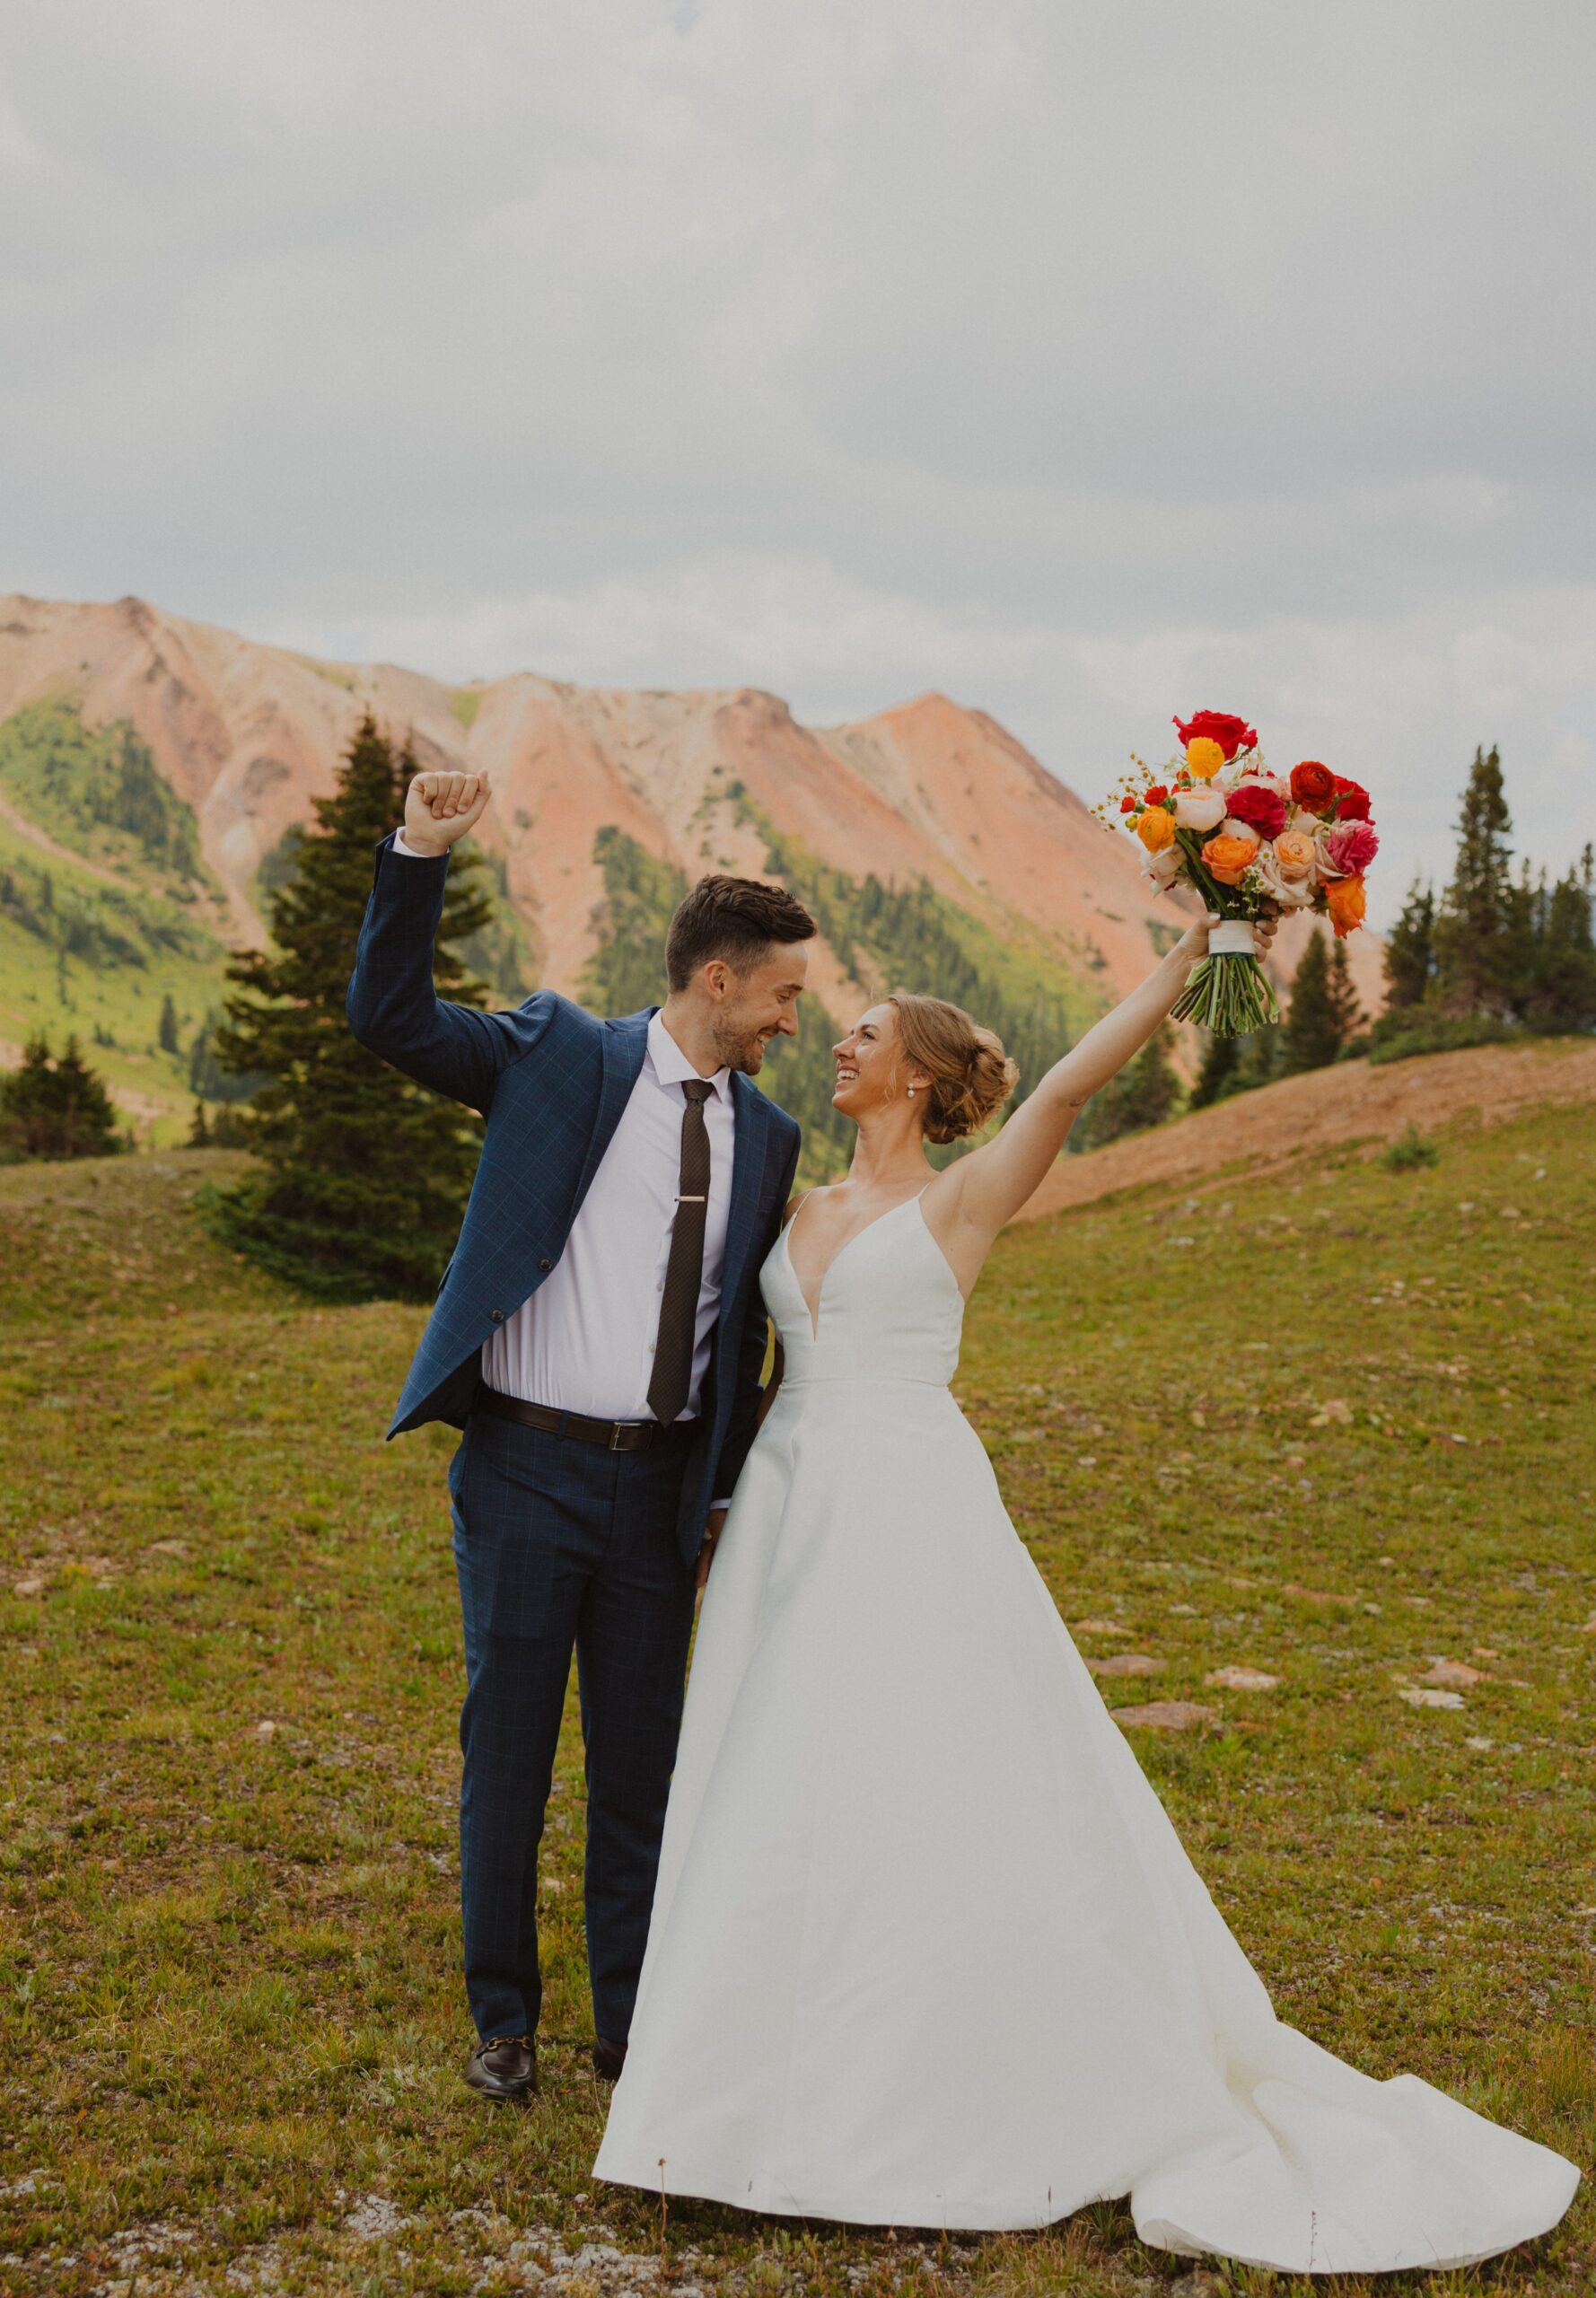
{"x":1410,"y":952}
{"x":1217,"y":1076}
{"x":366,"y":1174}
{"x":58,"y":1107}
{"x":1563,"y":993}
{"x":1474,"y":930}
{"x":1144,"y":1092}
{"x":1315,"y":1026}
{"x":1347,"y":1015}
{"x":168,"y":1033}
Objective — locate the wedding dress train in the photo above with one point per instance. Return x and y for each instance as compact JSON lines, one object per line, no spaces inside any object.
{"x":925,"y":1949}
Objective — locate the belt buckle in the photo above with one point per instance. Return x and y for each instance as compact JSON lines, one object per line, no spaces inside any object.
{"x":616,"y":1432}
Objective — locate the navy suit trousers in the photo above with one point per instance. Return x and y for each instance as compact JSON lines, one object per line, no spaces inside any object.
{"x":563,"y":1546}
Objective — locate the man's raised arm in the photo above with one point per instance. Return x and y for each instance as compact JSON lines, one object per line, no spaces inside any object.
{"x":393,"y":1006}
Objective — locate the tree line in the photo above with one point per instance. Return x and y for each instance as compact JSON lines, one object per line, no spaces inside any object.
{"x":360,"y":1176}
{"x":1498,"y":951}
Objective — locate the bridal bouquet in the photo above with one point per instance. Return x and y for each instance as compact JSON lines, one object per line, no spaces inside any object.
{"x":1249,"y":844}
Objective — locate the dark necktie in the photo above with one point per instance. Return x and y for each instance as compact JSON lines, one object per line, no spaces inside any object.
{"x":684,"y":1270}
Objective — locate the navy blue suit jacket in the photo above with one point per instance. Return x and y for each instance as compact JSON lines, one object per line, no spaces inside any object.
{"x":551,"y":1081}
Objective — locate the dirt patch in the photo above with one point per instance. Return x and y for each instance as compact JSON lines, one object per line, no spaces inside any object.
{"x":1351,"y":1101}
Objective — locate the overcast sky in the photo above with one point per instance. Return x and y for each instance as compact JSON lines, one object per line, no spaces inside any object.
{"x":1088,"y":362}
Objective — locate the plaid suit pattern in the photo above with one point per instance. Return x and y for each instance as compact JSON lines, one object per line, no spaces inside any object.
{"x":551,"y":1082}
{"x":558,"y":1545}
{"x":555,"y":1544}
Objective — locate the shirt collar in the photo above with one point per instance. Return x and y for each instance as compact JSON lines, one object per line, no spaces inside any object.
{"x":671,"y":1065}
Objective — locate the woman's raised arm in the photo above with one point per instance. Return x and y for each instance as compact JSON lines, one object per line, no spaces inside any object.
{"x":986,"y":1188}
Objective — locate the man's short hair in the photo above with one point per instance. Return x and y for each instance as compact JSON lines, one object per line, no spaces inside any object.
{"x":735,"y":919}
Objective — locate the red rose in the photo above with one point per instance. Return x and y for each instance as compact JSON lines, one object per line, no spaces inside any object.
{"x":1232,"y":734}
{"x":1156,"y":795}
{"x":1352,"y":801}
{"x":1127,"y":806}
{"x":1259,"y":807}
{"x":1312,"y":785}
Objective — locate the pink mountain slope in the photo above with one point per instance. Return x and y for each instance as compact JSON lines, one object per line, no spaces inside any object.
{"x":248,"y":734}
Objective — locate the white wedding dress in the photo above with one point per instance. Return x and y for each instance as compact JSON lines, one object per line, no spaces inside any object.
{"x":925,"y":1949}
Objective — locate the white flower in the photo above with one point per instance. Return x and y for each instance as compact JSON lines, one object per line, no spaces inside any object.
{"x":1259,"y":778}
{"x":1230,"y":827}
{"x":1166,"y":867}
{"x":1198,"y":810}
{"x":1290,"y":893}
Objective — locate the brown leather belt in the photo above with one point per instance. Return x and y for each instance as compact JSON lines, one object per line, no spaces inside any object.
{"x":615,"y":1435}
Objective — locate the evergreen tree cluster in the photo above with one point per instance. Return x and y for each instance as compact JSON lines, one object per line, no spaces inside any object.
{"x":1322,"y":1024}
{"x":1500,"y":952}
{"x":55,"y":1106}
{"x":208,"y":1080}
{"x":73,"y":778}
{"x":364,"y":1175}
{"x":115,"y":926}
{"x":628,"y":971}
{"x":913,"y":937}
{"x":1146,"y":1093}
{"x":885,"y":935}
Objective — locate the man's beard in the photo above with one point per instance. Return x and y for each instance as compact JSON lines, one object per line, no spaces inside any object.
{"x":739,"y":1049}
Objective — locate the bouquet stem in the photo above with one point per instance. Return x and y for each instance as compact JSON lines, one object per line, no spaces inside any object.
{"x":1229,"y":995}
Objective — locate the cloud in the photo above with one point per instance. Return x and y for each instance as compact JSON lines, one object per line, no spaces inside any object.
{"x":1087,"y":363}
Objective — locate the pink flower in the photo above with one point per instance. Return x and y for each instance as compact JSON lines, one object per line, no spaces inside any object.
{"x":1259,"y":807}
{"x":1349,"y":848}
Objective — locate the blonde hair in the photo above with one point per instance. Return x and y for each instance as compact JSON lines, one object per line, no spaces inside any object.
{"x":971,"y":1076}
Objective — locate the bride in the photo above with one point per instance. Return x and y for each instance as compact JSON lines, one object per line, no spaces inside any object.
{"x":926,"y":1950}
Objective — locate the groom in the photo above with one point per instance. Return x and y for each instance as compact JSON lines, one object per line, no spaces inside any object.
{"x":599,"y":1337}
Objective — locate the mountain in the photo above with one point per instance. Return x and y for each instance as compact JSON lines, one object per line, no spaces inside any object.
{"x":156,"y":774}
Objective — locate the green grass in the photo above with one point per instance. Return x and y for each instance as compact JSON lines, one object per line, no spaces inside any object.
{"x":228,"y":1962}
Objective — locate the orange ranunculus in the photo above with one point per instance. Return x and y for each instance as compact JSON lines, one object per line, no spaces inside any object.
{"x":1229,"y":858}
{"x":1204,"y":756}
{"x":1294,"y":852}
{"x":1345,"y":900}
{"x":1155,"y":830}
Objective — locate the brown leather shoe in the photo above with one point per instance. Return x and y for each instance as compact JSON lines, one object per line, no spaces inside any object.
{"x":609,"y":2058}
{"x":505,"y":2068}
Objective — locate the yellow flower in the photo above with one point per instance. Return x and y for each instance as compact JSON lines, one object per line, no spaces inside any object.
{"x":1155,"y":830}
{"x":1204,"y":757}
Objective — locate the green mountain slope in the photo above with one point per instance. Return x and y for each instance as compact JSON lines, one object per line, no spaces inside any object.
{"x":888,"y":937}
{"x":106,"y":911}
{"x":108,"y":916}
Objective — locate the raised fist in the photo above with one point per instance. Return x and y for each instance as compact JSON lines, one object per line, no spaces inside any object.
{"x":441,"y":806}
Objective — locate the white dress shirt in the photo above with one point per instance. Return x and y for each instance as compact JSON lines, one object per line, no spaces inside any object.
{"x":584,"y":1341}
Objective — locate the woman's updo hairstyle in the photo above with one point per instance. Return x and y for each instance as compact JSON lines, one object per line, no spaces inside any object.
{"x":971,"y":1076}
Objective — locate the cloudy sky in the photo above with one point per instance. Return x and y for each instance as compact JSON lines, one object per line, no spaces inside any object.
{"x":1088,"y":362}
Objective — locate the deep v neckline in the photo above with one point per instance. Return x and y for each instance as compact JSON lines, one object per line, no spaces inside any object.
{"x":815,"y":1313}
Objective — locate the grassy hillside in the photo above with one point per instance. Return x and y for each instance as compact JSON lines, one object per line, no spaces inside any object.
{"x":105,"y":909}
{"x":231,"y":2019}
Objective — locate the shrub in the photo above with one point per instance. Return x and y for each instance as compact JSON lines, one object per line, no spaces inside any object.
{"x":1410,"y":1152}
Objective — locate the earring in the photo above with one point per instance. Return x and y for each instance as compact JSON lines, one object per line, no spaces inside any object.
{"x":911,"y":1092}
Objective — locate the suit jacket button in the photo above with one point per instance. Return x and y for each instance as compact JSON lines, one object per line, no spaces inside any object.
{"x":546,"y":1264}
{"x":495,"y":1315}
